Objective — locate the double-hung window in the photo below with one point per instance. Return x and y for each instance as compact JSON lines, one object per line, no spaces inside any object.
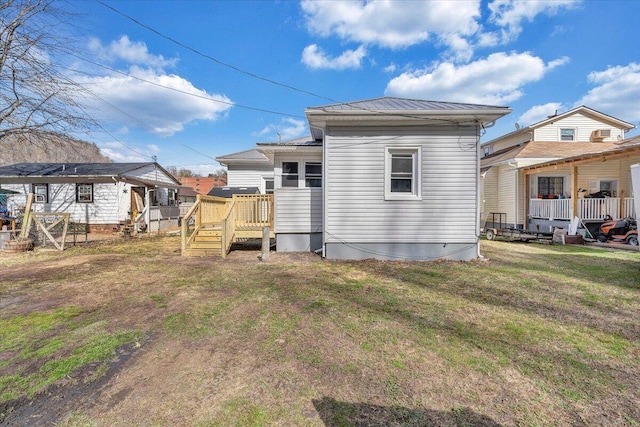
{"x":550,"y":186}
{"x":84,"y":193}
{"x":290,"y":174}
{"x":567,"y":134}
{"x":403,"y":174}
{"x":40,"y":192}
{"x":313,"y":174}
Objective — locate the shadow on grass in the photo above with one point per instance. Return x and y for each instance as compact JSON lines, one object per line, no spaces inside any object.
{"x":342,"y":414}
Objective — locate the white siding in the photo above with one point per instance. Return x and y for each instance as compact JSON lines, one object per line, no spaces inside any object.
{"x":583,"y":124}
{"x":298,"y":210}
{"x":489,"y":190}
{"x":107,"y":208}
{"x":248,"y":176}
{"x":356,"y":210}
{"x":151,"y":173}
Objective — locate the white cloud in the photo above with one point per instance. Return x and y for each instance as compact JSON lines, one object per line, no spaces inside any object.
{"x":616,"y":92}
{"x":130,"y":52}
{"x":393,"y":24}
{"x":143,"y":95}
{"x":315,"y":58}
{"x":496,"y":80}
{"x":510,"y":14}
{"x":540,"y":112}
{"x":118,"y":152}
{"x":391,"y":68}
{"x":288,"y":129}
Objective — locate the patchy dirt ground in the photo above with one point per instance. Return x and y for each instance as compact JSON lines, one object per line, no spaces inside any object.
{"x":298,"y":340}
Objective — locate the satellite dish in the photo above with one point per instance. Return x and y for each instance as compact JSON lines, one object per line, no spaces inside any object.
{"x":517,"y":126}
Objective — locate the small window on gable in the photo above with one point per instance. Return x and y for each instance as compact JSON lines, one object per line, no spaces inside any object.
{"x":403,"y":174}
{"x":290,"y":174}
{"x":313,"y":174}
{"x":567,"y":134}
{"x":84,"y":193}
{"x":40,"y":193}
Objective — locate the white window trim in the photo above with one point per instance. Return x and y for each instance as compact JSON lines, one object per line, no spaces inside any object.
{"x":264,"y":184}
{"x":78,"y":185}
{"x":416,"y":193}
{"x":575,"y":134}
{"x":37,"y":198}
{"x":304,"y":172}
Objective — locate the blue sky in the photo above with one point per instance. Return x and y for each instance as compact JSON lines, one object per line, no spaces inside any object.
{"x":192,"y":80}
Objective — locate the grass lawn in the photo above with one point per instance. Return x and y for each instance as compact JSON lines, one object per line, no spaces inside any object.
{"x":130,"y":333}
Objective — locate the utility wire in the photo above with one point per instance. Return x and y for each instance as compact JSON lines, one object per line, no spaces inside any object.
{"x":217,"y":61}
{"x":208,"y":98}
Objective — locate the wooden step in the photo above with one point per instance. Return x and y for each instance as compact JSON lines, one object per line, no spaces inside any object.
{"x":202,"y":252}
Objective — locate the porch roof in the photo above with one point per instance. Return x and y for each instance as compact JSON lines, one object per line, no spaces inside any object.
{"x":622,"y":149}
{"x":545,"y":151}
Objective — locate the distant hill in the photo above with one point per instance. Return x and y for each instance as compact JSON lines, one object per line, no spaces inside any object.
{"x":47,"y":148}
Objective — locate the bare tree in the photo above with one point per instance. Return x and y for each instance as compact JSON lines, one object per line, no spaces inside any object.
{"x":35,"y":95}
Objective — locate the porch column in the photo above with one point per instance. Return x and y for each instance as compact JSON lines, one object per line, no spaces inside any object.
{"x":574,"y":193}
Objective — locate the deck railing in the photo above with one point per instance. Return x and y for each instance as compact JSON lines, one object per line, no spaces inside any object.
{"x":588,"y":209}
{"x":241,"y":212}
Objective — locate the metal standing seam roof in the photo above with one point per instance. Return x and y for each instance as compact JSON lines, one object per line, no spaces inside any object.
{"x":304,"y":141}
{"x":250,"y":155}
{"x":403,"y":104}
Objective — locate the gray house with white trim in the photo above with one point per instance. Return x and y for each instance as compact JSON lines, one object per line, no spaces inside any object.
{"x":386,"y":178}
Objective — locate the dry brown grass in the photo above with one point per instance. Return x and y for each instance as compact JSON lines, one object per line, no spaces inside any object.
{"x":537,"y":335}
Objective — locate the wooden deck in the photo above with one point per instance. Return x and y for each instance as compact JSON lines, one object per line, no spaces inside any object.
{"x":213,"y":224}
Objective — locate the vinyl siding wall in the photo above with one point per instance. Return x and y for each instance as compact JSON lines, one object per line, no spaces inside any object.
{"x":507,"y":192}
{"x":298,"y":210}
{"x":109,"y":202}
{"x":584,"y":126}
{"x":489,"y":188}
{"x":248,"y":175}
{"x":151,"y":173}
{"x":356,"y":209}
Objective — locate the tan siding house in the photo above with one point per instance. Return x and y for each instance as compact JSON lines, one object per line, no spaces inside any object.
{"x":541,"y":198}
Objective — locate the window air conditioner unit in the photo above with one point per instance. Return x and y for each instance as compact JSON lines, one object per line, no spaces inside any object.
{"x":602,"y":133}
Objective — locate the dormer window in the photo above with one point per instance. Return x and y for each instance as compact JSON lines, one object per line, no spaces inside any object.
{"x":567,"y":134}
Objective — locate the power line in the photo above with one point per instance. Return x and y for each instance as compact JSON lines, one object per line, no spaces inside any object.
{"x":208,"y":98}
{"x":217,"y":61}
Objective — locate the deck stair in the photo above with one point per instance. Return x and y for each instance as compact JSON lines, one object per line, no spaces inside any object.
{"x":207,"y":241}
{"x":213,"y":224}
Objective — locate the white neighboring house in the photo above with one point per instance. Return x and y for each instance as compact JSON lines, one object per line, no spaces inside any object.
{"x":101,"y":195}
{"x":540,"y":198}
{"x":386,"y":178}
{"x":249,"y":168}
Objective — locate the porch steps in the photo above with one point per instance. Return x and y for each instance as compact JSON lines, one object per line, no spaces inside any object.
{"x":206,"y":242}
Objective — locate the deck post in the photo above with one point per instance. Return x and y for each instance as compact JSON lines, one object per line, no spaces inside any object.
{"x":266,"y":242}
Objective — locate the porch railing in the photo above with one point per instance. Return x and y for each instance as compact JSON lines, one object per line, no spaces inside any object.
{"x":550,"y":208}
{"x":588,"y":209}
{"x":629,"y":208}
